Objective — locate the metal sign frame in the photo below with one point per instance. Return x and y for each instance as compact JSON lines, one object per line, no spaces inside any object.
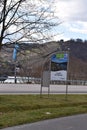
{"x":45,"y":79}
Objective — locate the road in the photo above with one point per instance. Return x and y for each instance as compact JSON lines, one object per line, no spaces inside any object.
{"x":78,"y":122}
{"x":35,"y":89}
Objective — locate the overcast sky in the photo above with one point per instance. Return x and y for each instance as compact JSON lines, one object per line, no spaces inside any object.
{"x":73,"y":13}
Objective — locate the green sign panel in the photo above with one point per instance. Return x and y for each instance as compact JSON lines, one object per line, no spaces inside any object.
{"x":60,"y":55}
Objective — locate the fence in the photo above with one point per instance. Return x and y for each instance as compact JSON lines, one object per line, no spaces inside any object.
{"x":11,"y":79}
{"x":33,"y":80}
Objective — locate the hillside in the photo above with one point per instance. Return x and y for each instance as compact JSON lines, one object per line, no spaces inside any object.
{"x":31,"y":57}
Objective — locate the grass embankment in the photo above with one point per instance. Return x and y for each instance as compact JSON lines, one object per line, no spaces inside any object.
{"x":20,"y":109}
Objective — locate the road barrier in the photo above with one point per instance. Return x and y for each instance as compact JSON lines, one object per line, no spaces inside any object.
{"x":33,"y":80}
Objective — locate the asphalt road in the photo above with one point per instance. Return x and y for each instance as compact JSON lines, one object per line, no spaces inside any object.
{"x":78,"y":122}
{"x":35,"y":89}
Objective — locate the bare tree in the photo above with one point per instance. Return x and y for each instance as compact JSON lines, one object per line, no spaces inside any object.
{"x":26,"y":21}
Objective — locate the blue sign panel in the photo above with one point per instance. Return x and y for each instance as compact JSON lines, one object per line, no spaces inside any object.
{"x":15,"y":52}
{"x":59,"y":58}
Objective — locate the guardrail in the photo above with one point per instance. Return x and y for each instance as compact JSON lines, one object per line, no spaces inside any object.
{"x":70,"y":82}
{"x":11,"y":79}
{"x":32,"y":80}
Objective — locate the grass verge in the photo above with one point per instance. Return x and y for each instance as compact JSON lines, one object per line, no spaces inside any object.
{"x":20,"y":109}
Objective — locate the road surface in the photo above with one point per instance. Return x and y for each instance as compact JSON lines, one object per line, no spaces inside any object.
{"x":35,"y":89}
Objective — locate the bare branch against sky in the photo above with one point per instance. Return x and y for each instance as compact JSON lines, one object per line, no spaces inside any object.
{"x":26,"y":21}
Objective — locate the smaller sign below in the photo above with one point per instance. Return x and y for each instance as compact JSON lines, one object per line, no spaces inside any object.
{"x":59,"y":75}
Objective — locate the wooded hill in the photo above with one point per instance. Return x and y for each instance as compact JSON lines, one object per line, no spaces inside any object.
{"x":30,"y":58}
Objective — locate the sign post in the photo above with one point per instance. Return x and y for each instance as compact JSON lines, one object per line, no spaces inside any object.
{"x":55,"y":68}
{"x":67,"y":74}
{"x":45,"y":79}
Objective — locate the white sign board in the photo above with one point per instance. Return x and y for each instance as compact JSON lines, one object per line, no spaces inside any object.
{"x":59,"y":75}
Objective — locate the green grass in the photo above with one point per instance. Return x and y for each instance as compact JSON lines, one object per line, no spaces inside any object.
{"x":20,"y":109}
